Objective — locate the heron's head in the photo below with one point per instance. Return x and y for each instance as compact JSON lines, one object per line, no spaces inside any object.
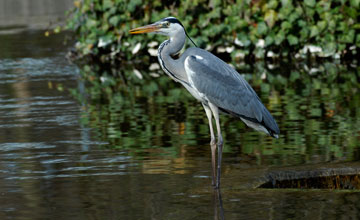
{"x":169,"y":26}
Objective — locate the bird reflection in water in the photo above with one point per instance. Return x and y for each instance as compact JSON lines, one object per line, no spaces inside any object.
{"x":218,"y":205}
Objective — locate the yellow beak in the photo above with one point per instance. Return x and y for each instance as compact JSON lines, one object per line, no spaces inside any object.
{"x":145,"y":29}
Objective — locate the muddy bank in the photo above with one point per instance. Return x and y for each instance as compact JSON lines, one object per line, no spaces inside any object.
{"x":319,"y":176}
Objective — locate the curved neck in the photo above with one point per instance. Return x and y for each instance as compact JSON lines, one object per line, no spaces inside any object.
{"x":174,"y":45}
{"x":174,"y":68}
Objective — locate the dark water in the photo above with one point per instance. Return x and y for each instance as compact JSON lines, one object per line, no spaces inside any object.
{"x":142,"y":151}
{"x":18,"y":15}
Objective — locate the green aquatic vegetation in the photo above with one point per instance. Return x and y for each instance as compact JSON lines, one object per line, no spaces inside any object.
{"x":250,"y":29}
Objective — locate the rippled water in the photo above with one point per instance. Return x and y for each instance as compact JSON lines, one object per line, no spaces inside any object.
{"x":142,"y":152}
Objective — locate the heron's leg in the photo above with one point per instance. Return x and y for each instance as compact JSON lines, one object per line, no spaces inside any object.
{"x":215,"y":112}
{"x":212,"y":142}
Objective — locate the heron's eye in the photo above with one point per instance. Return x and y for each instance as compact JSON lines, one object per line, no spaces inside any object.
{"x":167,"y":24}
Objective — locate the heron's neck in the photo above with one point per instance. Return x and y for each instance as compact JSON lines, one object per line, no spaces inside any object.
{"x":172,"y":67}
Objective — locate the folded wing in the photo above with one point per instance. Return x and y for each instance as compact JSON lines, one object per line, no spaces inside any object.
{"x":226,"y":88}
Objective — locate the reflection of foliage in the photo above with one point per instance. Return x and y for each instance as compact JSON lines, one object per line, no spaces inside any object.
{"x":254,"y":27}
{"x":317,"y":110}
{"x":132,"y":116}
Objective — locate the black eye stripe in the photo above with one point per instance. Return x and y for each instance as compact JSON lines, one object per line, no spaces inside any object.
{"x":173,"y":20}
{"x":176,"y":21}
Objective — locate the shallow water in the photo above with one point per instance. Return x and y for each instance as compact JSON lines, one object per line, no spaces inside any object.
{"x":142,"y":151}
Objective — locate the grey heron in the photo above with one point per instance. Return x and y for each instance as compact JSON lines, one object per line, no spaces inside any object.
{"x":218,"y":86}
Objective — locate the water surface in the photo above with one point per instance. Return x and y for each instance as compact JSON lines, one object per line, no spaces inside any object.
{"x":142,"y":151}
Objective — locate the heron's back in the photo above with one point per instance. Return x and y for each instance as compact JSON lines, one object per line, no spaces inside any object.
{"x":223,"y":86}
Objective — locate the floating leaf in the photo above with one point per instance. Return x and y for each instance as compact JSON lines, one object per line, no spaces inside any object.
{"x":269,"y":39}
{"x":304,"y":33}
{"x":347,"y":37}
{"x":244,"y":39}
{"x":292,"y":40}
{"x":107,"y":4}
{"x":294,"y":76}
{"x":314,"y":31}
{"x":310,"y":3}
{"x":352,"y":12}
{"x":321,"y":25}
{"x":270,"y":18}
{"x":286,"y":3}
{"x":355,"y":3}
{"x":330,"y":47}
{"x":272,"y":4}
{"x":114,"y":20}
{"x":357,"y":41}
{"x":261,"y":28}
{"x":279,"y":38}
{"x":286,"y":25}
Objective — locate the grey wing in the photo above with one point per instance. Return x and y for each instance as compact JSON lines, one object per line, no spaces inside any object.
{"x":227,"y":89}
